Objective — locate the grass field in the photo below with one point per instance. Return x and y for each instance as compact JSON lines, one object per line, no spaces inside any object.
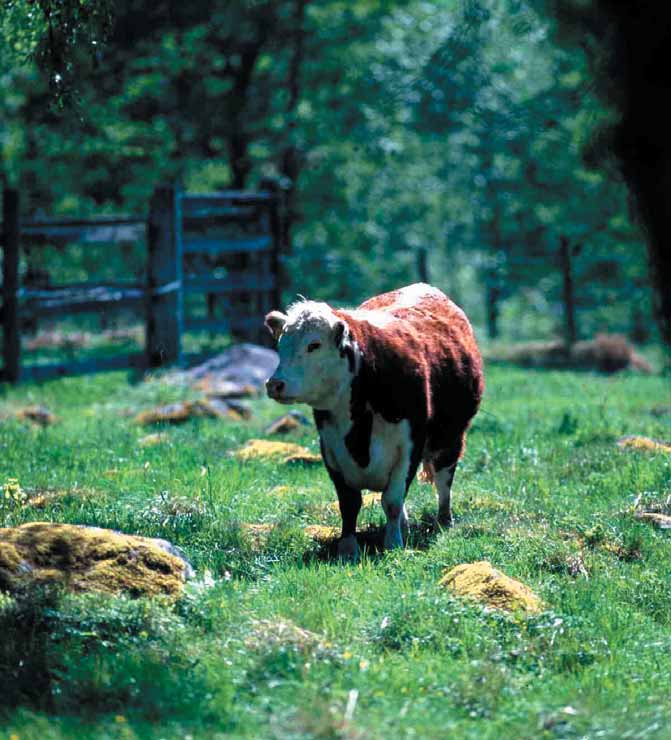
{"x":283,"y":642}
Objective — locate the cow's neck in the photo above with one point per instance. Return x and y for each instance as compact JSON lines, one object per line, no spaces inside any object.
{"x":350,"y":403}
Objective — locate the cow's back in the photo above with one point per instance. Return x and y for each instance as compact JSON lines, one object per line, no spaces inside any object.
{"x":421,"y":355}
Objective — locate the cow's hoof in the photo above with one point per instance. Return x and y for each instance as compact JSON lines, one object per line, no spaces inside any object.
{"x":393,"y":539}
{"x":445,"y":519}
{"x":348,"y":549}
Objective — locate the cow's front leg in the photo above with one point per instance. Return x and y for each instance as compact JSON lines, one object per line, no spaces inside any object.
{"x":349,"y":500}
{"x":393,"y":503}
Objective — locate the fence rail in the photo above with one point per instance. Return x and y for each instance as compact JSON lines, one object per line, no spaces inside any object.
{"x":190,"y":240}
{"x":100,"y":231}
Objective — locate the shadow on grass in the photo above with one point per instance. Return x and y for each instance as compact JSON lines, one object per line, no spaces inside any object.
{"x":420,"y":535}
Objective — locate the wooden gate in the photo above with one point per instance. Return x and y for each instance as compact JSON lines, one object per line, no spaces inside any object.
{"x":221,"y":246}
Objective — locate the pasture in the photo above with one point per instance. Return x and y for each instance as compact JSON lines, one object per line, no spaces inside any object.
{"x":276,"y":639}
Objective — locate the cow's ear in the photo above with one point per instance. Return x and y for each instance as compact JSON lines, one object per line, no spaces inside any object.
{"x":340,"y":333}
{"x":275,"y":322}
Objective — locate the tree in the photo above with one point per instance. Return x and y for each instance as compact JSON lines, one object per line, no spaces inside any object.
{"x":629,"y":45}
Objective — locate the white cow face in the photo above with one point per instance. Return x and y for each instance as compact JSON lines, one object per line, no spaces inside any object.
{"x":313,"y":368}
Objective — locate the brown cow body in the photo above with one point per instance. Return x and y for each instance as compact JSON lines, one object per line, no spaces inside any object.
{"x":392,"y":383}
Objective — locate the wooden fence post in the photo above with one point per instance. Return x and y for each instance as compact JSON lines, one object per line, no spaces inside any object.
{"x":570,"y":330}
{"x":276,"y":215}
{"x":165,"y":296}
{"x":278,"y":230}
{"x":11,"y":348}
{"x":423,"y":265}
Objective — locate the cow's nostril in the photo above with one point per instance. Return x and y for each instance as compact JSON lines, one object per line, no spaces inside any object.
{"x":275,"y":386}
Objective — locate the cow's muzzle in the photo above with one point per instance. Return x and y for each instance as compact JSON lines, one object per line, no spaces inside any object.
{"x":275,"y":388}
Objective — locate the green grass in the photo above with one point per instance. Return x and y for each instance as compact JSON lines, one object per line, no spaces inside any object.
{"x":543,"y":486}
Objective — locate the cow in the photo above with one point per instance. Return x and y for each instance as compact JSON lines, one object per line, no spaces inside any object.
{"x":392,"y":383}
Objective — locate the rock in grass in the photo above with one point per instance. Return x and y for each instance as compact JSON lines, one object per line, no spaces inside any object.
{"x":282,"y":425}
{"x":661,"y":521}
{"x":643,"y":443}
{"x":36,"y":414}
{"x":240,"y":408}
{"x":89,"y":559}
{"x":225,"y":389}
{"x":482,"y":582}
{"x":287,"y":423}
{"x":177,"y":413}
{"x":243,"y":364}
{"x":172,"y":413}
{"x":216,"y":408}
{"x":284,"y":452}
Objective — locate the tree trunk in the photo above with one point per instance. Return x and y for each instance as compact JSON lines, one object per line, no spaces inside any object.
{"x":570,"y":331}
{"x":493,"y":294}
{"x":292,"y":157}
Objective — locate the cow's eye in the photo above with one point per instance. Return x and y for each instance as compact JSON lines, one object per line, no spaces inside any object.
{"x":313,"y":346}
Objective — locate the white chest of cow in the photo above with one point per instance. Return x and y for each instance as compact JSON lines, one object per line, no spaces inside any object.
{"x":388,"y":446}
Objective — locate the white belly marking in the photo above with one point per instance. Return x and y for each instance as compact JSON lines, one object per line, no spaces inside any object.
{"x":389,"y":443}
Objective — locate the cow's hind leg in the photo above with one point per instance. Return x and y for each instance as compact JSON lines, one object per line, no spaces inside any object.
{"x":393,"y":496}
{"x":444,"y":478}
{"x":444,"y":462}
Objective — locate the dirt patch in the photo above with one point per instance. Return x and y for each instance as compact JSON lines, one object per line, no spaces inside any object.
{"x":280,"y":635}
{"x":368,"y":500}
{"x":482,"y":582}
{"x":151,"y":440}
{"x":89,"y":559}
{"x":284,"y":452}
{"x":40,"y":499}
{"x":257,"y":534}
{"x":281,"y":491}
{"x":646,"y":444}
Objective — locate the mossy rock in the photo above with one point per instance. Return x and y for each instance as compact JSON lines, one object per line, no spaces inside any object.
{"x":482,"y":582}
{"x":645,"y":444}
{"x":37,"y":414}
{"x":284,"y":452}
{"x":656,"y":518}
{"x":322,"y":533}
{"x":90,"y":559}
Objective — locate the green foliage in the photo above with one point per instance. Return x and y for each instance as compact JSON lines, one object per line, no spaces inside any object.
{"x":95,"y":654}
{"x":398,"y":127}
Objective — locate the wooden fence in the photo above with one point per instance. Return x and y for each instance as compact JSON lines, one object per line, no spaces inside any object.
{"x":223,"y":245}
